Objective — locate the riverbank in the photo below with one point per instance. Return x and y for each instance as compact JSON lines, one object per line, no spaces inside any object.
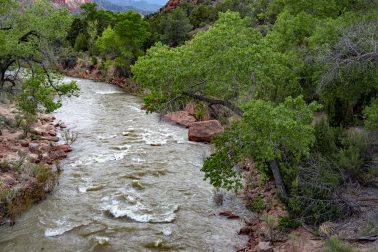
{"x":86,"y":70}
{"x":29,"y":160}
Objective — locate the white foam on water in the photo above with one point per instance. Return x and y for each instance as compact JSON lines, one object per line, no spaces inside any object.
{"x":141,"y":213}
{"x":108,"y":92}
{"x":62,"y":227}
{"x":101,"y":240}
{"x":167,"y":231}
{"x":127,"y":204}
{"x":51,"y":232}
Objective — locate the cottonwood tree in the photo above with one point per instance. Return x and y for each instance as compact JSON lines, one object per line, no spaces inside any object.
{"x":28,"y":34}
{"x":224,"y":65}
{"x":266,"y":134}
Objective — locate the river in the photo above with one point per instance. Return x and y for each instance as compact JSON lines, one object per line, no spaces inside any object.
{"x":132,"y":183}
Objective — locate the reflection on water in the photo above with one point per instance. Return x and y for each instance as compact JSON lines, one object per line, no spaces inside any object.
{"x":132,"y":183}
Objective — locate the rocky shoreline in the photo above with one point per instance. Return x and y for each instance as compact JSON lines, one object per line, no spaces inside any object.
{"x":29,"y":163}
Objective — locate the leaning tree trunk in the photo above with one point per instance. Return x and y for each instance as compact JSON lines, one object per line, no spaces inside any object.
{"x":275,"y":168}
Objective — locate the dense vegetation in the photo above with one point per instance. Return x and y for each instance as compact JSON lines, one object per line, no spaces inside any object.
{"x":273,"y":64}
{"x":28,"y":42}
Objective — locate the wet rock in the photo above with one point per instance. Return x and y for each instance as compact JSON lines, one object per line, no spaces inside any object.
{"x":247,"y":230}
{"x":183,"y":118}
{"x":64,"y":148}
{"x":229,"y":215}
{"x":50,"y":138}
{"x":24,"y":143}
{"x":47,"y":118}
{"x":62,"y":126}
{"x":56,"y":155}
{"x":52,"y":133}
{"x":263,"y":247}
{"x":204,"y":131}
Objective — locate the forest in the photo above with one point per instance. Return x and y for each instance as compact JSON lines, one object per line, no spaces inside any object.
{"x":293,"y":82}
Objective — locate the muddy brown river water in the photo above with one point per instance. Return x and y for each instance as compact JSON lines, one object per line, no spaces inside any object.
{"x":132,"y":183}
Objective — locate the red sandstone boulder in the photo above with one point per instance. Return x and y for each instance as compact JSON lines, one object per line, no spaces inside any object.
{"x":36,"y":128}
{"x":204,"y":131}
{"x":183,"y":118}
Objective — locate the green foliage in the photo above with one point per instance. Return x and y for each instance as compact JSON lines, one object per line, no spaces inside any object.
{"x":42,"y":172}
{"x":352,"y":153}
{"x":124,"y":42}
{"x":170,"y":28}
{"x":80,"y":43}
{"x":266,"y":132}
{"x":325,"y":139}
{"x":201,"y":15}
{"x":226,"y":62}
{"x":257,"y":205}
{"x":371,"y":114}
{"x":38,"y":95}
{"x":286,"y":223}
{"x":335,"y":245}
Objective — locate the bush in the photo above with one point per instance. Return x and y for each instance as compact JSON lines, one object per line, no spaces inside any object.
{"x":352,"y":153}
{"x":335,"y":245}
{"x":314,"y":195}
{"x":371,"y":114}
{"x":325,"y":140}
{"x":42,"y":172}
{"x":286,"y":223}
{"x":257,"y":205}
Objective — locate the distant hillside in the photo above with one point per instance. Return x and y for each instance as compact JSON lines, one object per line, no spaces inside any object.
{"x":139,"y":4}
{"x":143,"y":7}
{"x":105,"y":4}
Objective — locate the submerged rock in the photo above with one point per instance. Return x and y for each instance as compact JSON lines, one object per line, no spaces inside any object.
{"x":204,"y":131}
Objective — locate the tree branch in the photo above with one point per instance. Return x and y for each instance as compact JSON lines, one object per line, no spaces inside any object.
{"x":213,"y":101}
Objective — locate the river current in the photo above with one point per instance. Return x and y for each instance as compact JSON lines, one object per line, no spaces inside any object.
{"x":132,"y":183}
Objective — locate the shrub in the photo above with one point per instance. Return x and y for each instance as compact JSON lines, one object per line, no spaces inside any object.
{"x":352,"y":153}
{"x":42,"y":172}
{"x":286,"y":223}
{"x":257,"y":205}
{"x":335,"y":245}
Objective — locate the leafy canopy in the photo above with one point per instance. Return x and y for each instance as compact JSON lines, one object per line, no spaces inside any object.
{"x":266,"y":132}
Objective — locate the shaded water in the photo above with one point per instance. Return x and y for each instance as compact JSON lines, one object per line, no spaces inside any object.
{"x":132,"y":183}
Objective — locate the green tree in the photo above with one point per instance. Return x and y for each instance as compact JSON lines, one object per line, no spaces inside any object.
{"x":124,"y":42}
{"x":80,"y":43}
{"x":228,"y":65}
{"x":28,"y":37}
{"x":171,"y":28}
{"x":266,"y":134}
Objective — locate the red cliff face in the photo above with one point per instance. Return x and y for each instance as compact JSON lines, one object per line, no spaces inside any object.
{"x":72,"y":5}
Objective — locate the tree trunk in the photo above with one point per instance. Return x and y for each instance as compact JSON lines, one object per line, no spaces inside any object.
{"x":275,"y":167}
{"x":211,"y":101}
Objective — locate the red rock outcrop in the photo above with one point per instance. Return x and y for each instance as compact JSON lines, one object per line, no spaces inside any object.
{"x":204,"y":131}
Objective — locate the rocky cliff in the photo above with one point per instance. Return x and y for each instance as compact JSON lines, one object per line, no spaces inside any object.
{"x":72,"y":5}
